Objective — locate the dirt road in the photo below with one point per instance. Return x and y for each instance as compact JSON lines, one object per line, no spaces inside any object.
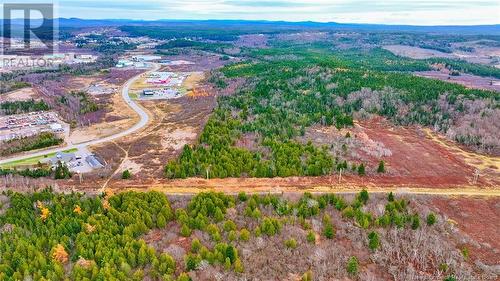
{"x":457,"y":191}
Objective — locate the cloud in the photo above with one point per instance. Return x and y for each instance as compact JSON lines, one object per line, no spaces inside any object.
{"x":422,"y":12}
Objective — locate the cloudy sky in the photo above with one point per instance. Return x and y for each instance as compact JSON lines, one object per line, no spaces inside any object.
{"x":421,"y":12}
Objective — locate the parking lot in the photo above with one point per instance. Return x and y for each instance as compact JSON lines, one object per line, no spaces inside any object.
{"x":30,"y":124}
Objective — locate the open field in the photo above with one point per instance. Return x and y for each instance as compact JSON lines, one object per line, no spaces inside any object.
{"x":119,"y":117}
{"x":467,"y":80}
{"x":19,"y":95}
{"x":416,"y":52}
{"x":412,"y":155}
{"x":479,"y":53}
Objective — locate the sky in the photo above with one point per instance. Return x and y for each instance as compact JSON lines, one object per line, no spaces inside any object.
{"x":423,"y":12}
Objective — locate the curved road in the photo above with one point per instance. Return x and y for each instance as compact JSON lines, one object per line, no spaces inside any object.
{"x":125,"y":95}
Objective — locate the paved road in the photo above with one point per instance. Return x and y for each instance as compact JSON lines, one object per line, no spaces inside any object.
{"x":125,"y":95}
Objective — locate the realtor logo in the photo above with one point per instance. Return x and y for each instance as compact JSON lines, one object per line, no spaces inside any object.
{"x":28,"y":27}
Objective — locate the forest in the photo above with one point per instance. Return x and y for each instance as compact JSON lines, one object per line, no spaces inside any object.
{"x":291,"y":88}
{"x":41,"y":140}
{"x":17,"y":107}
{"x":49,"y":236}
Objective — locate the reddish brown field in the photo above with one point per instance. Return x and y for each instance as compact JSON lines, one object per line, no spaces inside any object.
{"x":478,"y":218}
{"x":415,"y":158}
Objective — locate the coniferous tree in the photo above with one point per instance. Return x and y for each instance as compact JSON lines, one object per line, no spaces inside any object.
{"x":381,"y":167}
{"x":361,"y":169}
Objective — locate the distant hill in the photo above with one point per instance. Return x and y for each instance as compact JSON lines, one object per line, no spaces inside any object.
{"x":283,"y":25}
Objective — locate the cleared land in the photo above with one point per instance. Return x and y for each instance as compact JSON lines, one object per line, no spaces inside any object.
{"x":467,"y":80}
{"x":477,"y":53}
{"x":19,"y":95}
{"x":416,"y":52}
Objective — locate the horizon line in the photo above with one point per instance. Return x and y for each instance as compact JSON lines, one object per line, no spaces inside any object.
{"x":263,"y":20}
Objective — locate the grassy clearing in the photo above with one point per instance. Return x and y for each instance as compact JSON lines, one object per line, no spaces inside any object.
{"x":31,"y":160}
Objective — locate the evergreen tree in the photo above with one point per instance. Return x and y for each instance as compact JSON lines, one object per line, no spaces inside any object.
{"x":415,"y":222}
{"x":238,"y":266}
{"x":184,"y":277}
{"x":374,"y":241}
{"x":126,"y":175}
{"x":185,"y":230}
{"x":431,"y":219}
{"x":192,"y":261}
{"x":161,"y":222}
{"x":361,"y":169}
{"x":363,"y":196}
{"x":196,"y":245}
{"x":352,"y":266}
{"x":390,"y":197}
{"x":244,"y":234}
{"x":61,"y":171}
{"x":381,"y":167}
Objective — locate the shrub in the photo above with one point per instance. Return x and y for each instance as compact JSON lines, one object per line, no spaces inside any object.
{"x":242,"y":196}
{"x":270,"y":226}
{"x":256,"y":213}
{"x":328,"y":231}
{"x":311,"y":237}
{"x":465,"y":252}
{"x":291,"y":243}
{"x":257,"y":231}
{"x":348,"y":212}
{"x":307,"y":276}
{"x":214,"y":232}
{"x":244,"y":235}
